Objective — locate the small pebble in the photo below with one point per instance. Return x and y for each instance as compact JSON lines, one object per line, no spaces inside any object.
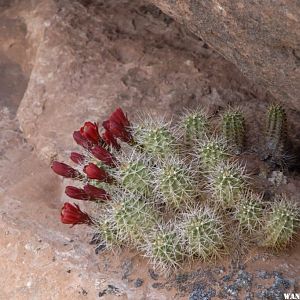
{"x":138,"y":283}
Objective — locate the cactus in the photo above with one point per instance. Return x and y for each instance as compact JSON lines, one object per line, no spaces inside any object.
{"x":227,"y":183}
{"x":202,"y":233}
{"x":195,"y":125}
{"x":134,"y":218}
{"x":134,"y":173}
{"x":163,"y":248}
{"x":249,"y":212}
{"x":176,"y":183}
{"x":282,"y":223}
{"x":276,"y":128}
{"x":211,"y":152}
{"x":233,"y":127}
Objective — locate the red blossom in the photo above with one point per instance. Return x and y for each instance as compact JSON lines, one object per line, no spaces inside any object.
{"x":81,"y":140}
{"x":72,"y":214}
{"x":96,"y":193}
{"x":110,"y":140}
{"x":104,"y":155}
{"x":64,"y":170}
{"x":77,"y":193}
{"x":94,"y":172}
{"x":77,"y":158}
{"x":90,"y":131}
{"x":118,"y":124}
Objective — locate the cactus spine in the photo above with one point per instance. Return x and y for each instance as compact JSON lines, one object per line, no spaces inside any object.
{"x":276,"y":131}
{"x":233,"y":126}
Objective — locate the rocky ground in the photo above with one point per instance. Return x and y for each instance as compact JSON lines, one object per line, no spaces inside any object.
{"x":63,"y":62}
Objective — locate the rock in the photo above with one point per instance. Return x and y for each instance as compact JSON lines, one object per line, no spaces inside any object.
{"x":260,"y":37}
{"x":94,"y":56}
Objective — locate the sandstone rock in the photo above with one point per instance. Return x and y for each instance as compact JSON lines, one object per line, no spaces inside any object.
{"x":260,"y":37}
{"x":94,"y":56}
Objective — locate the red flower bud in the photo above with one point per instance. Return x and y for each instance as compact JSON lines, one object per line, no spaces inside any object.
{"x":94,"y":172}
{"x":96,"y":193}
{"x":90,"y":131}
{"x":64,"y":170}
{"x":110,"y":140}
{"x":77,"y":193}
{"x":81,"y":140}
{"x":71,"y":214}
{"x":77,"y":158}
{"x":104,"y":155}
{"x":118,"y":125}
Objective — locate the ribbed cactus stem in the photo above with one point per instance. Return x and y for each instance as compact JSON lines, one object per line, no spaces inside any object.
{"x":233,"y":126}
{"x":249,"y":212}
{"x":276,"y":130}
{"x":211,"y":152}
{"x":202,"y":234}
{"x":176,"y":184}
{"x":196,"y":126}
{"x":164,"y":249}
{"x":134,"y":219}
{"x":282,"y":223}
{"x":227,"y":183}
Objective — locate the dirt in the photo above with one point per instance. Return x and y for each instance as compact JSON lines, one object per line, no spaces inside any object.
{"x":104,"y":54}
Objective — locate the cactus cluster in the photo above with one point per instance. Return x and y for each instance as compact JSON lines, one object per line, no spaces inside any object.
{"x":174,"y":192}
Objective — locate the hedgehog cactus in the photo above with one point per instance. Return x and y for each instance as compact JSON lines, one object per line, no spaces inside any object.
{"x":233,"y":126}
{"x":145,"y":186}
{"x":163,"y":248}
{"x":211,"y":152}
{"x":196,"y":125}
{"x":202,"y":233}
{"x":134,"y":218}
{"x":134,"y":173}
{"x":249,"y":212}
{"x":282,"y":222}
{"x":276,"y":131}
{"x":227,"y":183}
{"x":176,"y":183}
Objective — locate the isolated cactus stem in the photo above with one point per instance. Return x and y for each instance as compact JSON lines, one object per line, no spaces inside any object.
{"x":196,"y":125}
{"x":202,"y":234}
{"x":282,"y":223}
{"x":227,"y":183}
{"x":276,"y":130}
{"x":233,"y":127}
{"x":176,"y":184}
{"x":249,"y":212}
{"x":164,"y":249}
{"x":211,"y":152}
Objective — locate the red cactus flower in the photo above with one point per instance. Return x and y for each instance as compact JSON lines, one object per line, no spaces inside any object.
{"x":94,"y":172}
{"x":72,"y":214}
{"x":64,"y":170}
{"x":118,"y":125}
{"x":77,"y":158}
{"x":90,"y":131}
{"x":96,"y":193}
{"x":77,"y":193}
{"x":104,"y":155}
{"x":110,"y":140}
{"x":81,"y":140}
